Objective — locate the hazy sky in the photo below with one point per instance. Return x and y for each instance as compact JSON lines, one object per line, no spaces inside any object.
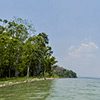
{"x":73,"y":27}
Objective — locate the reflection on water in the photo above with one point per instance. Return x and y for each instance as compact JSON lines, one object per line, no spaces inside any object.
{"x":28,"y":91}
{"x":59,"y":89}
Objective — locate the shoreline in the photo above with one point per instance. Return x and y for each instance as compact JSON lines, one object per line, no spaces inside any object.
{"x":20,"y":82}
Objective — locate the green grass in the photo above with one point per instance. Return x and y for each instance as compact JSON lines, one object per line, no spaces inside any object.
{"x":21,"y":79}
{"x":13,"y":79}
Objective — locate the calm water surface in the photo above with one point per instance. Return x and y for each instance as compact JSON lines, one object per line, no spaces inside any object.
{"x":59,"y":89}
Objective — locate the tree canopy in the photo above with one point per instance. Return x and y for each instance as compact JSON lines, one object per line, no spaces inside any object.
{"x":22,"y":53}
{"x":64,"y":73}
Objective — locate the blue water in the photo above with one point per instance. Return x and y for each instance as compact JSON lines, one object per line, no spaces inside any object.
{"x":75,"y":89}
{"x":59,"y":89}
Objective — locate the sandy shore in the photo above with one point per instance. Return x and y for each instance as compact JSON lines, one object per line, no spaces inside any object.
{"x":32,"y":80}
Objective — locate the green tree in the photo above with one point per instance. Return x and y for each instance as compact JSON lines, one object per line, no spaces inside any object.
{"x":21,"y":52}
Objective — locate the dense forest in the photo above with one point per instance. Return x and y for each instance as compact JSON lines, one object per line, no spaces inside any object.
{"x":24,"y":53}
{"x":64,"y":73}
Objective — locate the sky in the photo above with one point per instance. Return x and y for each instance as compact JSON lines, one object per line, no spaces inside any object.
{"x":73,"y":28}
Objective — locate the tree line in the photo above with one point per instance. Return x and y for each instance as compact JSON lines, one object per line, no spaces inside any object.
{"x":23,"y":53}
{"x":64,"y":73}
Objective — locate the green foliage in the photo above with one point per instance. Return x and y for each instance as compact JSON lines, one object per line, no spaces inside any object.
{"x":5,"y":21}
{"x":63,"y":73}
{"x":22,"y":53}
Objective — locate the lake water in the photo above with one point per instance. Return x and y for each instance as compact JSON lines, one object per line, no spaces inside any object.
{"x":59,"y":89}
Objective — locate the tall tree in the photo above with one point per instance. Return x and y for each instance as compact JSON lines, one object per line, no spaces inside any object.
{"x":21,"y":52}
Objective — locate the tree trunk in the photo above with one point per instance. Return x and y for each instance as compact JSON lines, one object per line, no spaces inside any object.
{"x":16,"y":71}
{"x":28,"y":68}
{"x":9,"y":71}
{"x":0,"y":73}
{"x":16,"y":66}
{"x":9,"y":65}
{"x":0,"y":68}
{"x":38,"y":68}
{"x":44,"y":75}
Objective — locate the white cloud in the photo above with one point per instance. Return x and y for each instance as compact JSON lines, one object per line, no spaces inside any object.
{"x":83,"y":57}
{"x":85,"y":49}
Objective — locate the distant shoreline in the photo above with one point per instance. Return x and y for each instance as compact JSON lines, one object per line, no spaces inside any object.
{"x":89,"y":77}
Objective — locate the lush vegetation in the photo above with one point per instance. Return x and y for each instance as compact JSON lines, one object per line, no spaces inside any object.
{"x":22,"y":53}
{"x":64,"y":73}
